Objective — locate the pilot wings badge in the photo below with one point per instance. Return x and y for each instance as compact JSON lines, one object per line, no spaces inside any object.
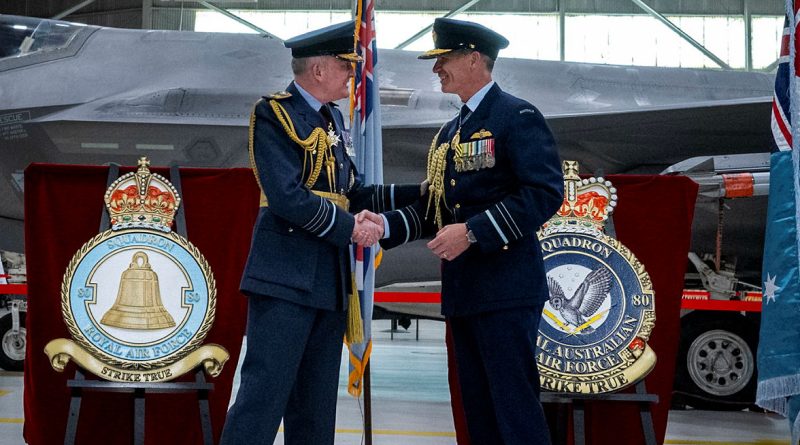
{"x":138,"y":299}
{"x":596,"y":323}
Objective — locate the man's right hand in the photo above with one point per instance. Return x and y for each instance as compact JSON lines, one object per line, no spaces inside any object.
{"x":366,"y":215}
{"x":368,"y":228}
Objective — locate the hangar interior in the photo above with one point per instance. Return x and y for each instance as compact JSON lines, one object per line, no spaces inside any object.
{"x":410,"y":381}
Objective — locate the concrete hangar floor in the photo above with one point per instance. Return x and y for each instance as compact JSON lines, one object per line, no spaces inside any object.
{"x":411,"y":401}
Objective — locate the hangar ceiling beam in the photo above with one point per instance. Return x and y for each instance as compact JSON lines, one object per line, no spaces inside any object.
{"x":681,"y":33}
{"x":772,"y":66}
{"x":748,"y":36}
{"x":562,"y":34}
{"x":69,"y":11}
{"x":236,"y":18}
{"x":425,"y":30}
{"x":147,"y":14}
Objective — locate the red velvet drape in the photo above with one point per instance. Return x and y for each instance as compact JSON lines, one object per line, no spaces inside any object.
{"x":63,"y":205}
{"x":653,"y":218}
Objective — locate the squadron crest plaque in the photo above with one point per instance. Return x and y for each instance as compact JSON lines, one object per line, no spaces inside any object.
{"x":595,"y":326}
{"x":138,"y":299}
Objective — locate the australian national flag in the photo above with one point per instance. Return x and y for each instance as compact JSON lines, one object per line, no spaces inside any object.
{"x":366,"y":133}
{"x":779,"y":348}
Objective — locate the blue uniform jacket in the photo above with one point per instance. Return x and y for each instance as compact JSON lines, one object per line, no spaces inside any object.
{"x":300,"y":240}
{"x":503,"y":200}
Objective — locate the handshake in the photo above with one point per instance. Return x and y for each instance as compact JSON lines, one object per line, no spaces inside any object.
{"x":368,"y":228}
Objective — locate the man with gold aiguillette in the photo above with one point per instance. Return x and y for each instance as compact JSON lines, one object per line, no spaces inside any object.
{"x":495,"y":177}
{"x":297,"y":278}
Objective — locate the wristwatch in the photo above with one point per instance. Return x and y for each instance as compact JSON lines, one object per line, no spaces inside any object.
{"x":470,"y":236}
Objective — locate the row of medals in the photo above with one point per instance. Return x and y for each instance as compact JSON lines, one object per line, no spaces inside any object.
{"x":468,"y":163}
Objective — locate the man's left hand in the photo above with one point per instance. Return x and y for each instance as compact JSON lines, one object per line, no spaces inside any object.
{"x":450,"y":242}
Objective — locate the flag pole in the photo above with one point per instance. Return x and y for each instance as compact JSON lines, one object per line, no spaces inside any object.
{"x":366,"y":129}
{"x":367,"y":406}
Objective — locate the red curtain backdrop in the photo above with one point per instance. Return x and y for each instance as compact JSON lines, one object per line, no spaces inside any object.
{"x":63,"y":205}
{"x":653,"y":218}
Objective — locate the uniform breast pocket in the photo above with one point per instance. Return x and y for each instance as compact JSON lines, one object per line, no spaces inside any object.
{"x":475,"y":155}
{"x":288,"y":259}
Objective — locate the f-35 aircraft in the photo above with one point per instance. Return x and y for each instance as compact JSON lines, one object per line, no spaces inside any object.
{"x":71,"y":93}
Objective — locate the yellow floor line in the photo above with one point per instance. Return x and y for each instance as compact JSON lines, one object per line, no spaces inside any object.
{"x":3,"y":392}
{"x":393,"y":432}
{"x":726,"y":442}
{"x":10,"y":420}
{"x":398,"y":433}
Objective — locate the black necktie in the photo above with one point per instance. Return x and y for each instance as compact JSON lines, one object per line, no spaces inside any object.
{"x":325,"y":111}
{"x":463,"y":114}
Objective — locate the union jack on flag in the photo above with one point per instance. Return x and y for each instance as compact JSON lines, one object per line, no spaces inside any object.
{"x":781,"y":117}
{"x":366,"y":124}
{"x":365,"y":98}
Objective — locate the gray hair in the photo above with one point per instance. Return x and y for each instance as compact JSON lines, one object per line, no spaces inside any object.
{"x":488,"y":61}
{"x":299,"y":65}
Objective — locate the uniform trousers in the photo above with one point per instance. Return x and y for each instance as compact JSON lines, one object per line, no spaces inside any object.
{"x":290,"y":370}
{"x":499,"y":380}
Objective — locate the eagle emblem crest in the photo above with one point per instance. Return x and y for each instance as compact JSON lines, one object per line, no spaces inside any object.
{"x":601,"y":308}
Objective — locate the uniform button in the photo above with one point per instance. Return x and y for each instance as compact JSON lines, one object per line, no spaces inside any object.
{"x":341,"y":165}
{"x":458,"y":206}
{"x":291,"y":229}
{"x":505,"y":247}
{"x":452,"y":183}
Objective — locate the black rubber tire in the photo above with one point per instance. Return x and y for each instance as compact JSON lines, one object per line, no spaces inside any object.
{"x":7,"y":362}
{"x":706,"y":327}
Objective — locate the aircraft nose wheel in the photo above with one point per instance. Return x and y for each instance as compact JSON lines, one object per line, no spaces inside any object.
{"x":720,"y":362}
{"x":716,"y":366}
{"x":12,"y":345}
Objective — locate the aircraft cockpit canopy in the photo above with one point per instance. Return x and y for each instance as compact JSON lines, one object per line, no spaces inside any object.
{"x":22,"y":37}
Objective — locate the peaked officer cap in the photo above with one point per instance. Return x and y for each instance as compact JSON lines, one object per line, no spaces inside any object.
{"x":450,"y":35}
{"x":334,"y":40}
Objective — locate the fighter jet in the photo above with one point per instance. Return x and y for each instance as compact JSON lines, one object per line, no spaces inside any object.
{"x":78,"y":94}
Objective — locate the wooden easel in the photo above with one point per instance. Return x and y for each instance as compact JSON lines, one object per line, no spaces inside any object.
{"x":577,"y":403}
{"x":79,"y":384}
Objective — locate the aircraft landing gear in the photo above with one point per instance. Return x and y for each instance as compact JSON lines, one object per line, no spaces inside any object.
{"x":716,"y":366}
{"x":12,"y":343}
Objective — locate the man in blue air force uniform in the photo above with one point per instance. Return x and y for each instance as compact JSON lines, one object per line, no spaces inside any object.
{"x":495,"y":177}
{"x":297,"y":276}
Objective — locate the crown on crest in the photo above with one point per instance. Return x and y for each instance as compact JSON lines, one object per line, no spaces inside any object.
{"x":587,"y":203}
{"x":142,"y":199}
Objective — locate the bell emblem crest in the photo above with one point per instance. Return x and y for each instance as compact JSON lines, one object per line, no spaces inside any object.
{"x":138,"y":304}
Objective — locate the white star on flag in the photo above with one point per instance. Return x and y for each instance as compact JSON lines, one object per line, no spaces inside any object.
{"x":770,"y":288}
